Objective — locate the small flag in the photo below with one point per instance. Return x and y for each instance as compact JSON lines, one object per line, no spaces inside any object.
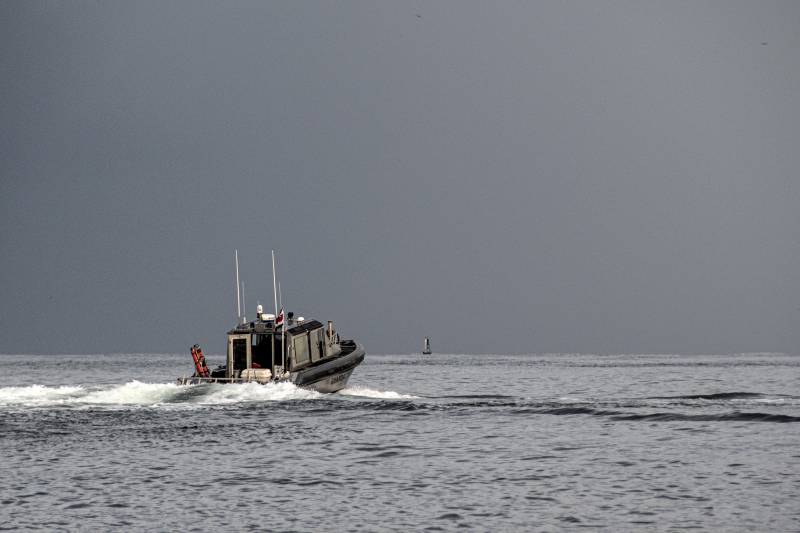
{"x":279,"y":318}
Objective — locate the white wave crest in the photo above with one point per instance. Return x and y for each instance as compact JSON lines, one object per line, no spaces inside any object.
{"x":133,"y":393}
{"x":372,"y":393}
{"x":137,"y":393}
{"x":38,"y":394}
{"x":253,"y":392}
{"x":571,"y":399}
{"x":787,"y":401}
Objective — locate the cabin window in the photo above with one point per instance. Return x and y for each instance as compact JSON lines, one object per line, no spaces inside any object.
{"x":262,"y":351}
{"x":317,"y":346}
{"x":277,"y":349}
{"x":239,"y":354}
{"x":300,"y":349}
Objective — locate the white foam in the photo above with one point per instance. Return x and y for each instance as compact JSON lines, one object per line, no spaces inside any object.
{"x":789,"y":401}
{"x":137,"y":393}
{"x":133,"y":393}
{"x":571,"y":399}
{"x":253,"y":392}
{"x":372,"y":393}
{"x":38,"y":395}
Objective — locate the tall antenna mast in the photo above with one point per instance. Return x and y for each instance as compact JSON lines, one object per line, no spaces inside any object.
{"x":238,"y":305}
{"x":274,"y":286}
{"x":283,"y":343}
{"x":244,"y":305}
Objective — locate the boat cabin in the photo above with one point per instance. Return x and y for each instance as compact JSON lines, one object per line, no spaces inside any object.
{"x":261,"y":349}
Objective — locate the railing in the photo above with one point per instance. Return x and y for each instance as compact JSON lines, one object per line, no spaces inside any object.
{"x":200,"y":379}
{"x":183,"y":380}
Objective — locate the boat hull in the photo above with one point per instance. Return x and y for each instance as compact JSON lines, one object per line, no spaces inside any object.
{"x":330,"y":376}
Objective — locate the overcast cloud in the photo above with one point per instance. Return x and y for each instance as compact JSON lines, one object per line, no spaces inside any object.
{"x":502,"y":176}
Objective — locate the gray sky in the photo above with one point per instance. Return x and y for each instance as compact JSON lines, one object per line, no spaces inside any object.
{"x":502,"y":176}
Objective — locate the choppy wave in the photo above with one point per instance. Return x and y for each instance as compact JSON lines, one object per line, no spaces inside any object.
{"x":713,"y":396}
{"x":524,"y":409}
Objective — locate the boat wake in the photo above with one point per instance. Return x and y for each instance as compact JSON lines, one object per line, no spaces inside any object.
{"x":137,"y":393}
{"x":733,"y":406}
{"x":364,"y":392}
{"x":38,"y":395}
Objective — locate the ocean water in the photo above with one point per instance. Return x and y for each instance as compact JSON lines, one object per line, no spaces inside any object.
{"x":415,"y":443}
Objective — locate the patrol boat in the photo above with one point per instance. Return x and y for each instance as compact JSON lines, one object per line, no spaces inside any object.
{"x":274,"y":348}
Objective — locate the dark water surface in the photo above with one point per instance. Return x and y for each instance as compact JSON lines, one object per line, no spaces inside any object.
{"x":442,"y":442}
